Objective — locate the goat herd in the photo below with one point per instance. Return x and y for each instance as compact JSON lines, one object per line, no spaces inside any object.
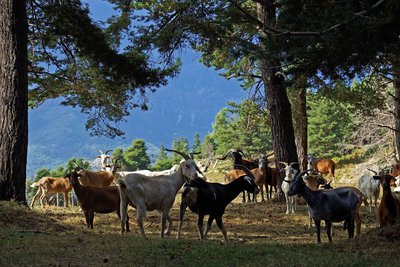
{"x":111,"y":191}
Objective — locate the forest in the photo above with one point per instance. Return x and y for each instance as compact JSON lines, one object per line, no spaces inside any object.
{"x":323,"y":78}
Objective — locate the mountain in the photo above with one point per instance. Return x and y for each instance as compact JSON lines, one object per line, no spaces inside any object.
{"x":187,"y":105}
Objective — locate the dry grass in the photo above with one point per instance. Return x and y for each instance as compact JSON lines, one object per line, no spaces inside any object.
{"x":260,"y":234}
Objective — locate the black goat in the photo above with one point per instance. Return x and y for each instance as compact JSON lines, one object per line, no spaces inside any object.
{"x":335,"y":205}
{"x":237,"y":156}
{"x":212,"y":198}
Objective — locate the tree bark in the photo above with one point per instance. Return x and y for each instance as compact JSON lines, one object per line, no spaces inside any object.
{"x":396,"y":88}
{"x":275,"y":90}
{"x":300,"y":122}
{"x":13,"y":100}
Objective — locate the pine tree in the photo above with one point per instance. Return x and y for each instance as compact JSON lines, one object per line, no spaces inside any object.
{"x":136,"y":156}
{"x":163,"y":162}
{"x":196,"y":143}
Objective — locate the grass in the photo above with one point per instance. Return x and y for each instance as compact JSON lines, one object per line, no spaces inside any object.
{"x":260,"y":234}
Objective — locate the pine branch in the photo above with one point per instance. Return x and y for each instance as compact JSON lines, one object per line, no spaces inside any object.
{"x":388,"y":127}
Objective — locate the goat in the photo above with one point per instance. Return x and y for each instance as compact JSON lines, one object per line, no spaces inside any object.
{"x":237,"y":156}
{"x":103,"y":158}
{"x":154,"y":173}
{"x":389,"y":208}
{"x":259,"y":178}
{"x":370,"y":188}
{"x":291,"y":201}
{"x":259,"y":174}
{"x":232,"y":175}
{"x":324,"y":166}
{"x":395,"y":172}
{"x":154,"y":193}
{"x":272,"y":179}
{"x":313,"y":180}
{"x":51,"y":185}
{"x":98,"y":178}
{"x":96,"y":199}
{"x":212,"y":198}
{"x":335,"y":205}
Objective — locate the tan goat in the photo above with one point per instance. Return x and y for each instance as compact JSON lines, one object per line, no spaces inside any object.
{"x":98,"y":178}
{"x":51,"y":185}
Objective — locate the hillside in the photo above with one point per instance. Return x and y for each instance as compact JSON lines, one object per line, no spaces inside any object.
{"x":187,"y":105}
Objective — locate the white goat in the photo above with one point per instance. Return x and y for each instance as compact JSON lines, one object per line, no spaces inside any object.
{"x":291,"y":201}
{"x":154,"y":193}
{"x":153,"y":173}
{"x":370,"y":188}
{"x":103,"y":158}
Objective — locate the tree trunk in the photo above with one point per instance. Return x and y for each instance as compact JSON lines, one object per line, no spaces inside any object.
{"x":396,"y":88}
{"x":300,"y":124}
{"x":275,"y":90}
{"x":13,"y":100}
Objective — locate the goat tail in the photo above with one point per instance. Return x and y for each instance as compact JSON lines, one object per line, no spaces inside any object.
{"x":122,"y":184}
{"x":365,"y":200}
{"x":34,"y":184}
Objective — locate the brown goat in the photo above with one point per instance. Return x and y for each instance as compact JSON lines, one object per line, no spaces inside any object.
{"x":237,"y":156}
{"x":96,"y":179}
{"x":394,"y":171}
{"x":323,"y":165}
{"x":272,"y":179}
{"x":389,"y":208}
{"x":259,"y":179}
{"x":51,"y":185}
{"x":96,"y":199}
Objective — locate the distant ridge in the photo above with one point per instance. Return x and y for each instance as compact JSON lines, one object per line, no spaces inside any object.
{"x":188,"y":104}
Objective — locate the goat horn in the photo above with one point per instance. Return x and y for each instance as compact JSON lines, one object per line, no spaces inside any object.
{"x":101,"y":152}
{"x":77,"y":166}
{"x":375,"y":172}
{"x":108,"y":151}
{"x":191,"y":154}
{"x":245,"y":169}
{"x":292,"y":163}
{"x":240,"y":151}
{"x":302,"y":173}
{"x":226,"y":154}
{"x":184,"y":155}
{"x":270,"y":154}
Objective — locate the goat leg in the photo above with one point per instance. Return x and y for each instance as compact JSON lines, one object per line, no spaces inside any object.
{"x":350,"y":227}
{"x":141,"y":212}
{"x":35,"y":197}
{"x":200,"y":225}
{"x":87,"y":219}
{"x":91,"y":218}
{"x":182,"y":211}
{"x":123,"y":214}
{"x":328,"y":225}
{"x":208,"y":226}
{"x":163,"y":221}
{"x":318,"y":229}
{"x":169,"y":220}
{"x":222,"y":228}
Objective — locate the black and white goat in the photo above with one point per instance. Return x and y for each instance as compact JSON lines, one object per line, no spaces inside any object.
{"x":335,"y":205}
{"x":211,"y":199}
